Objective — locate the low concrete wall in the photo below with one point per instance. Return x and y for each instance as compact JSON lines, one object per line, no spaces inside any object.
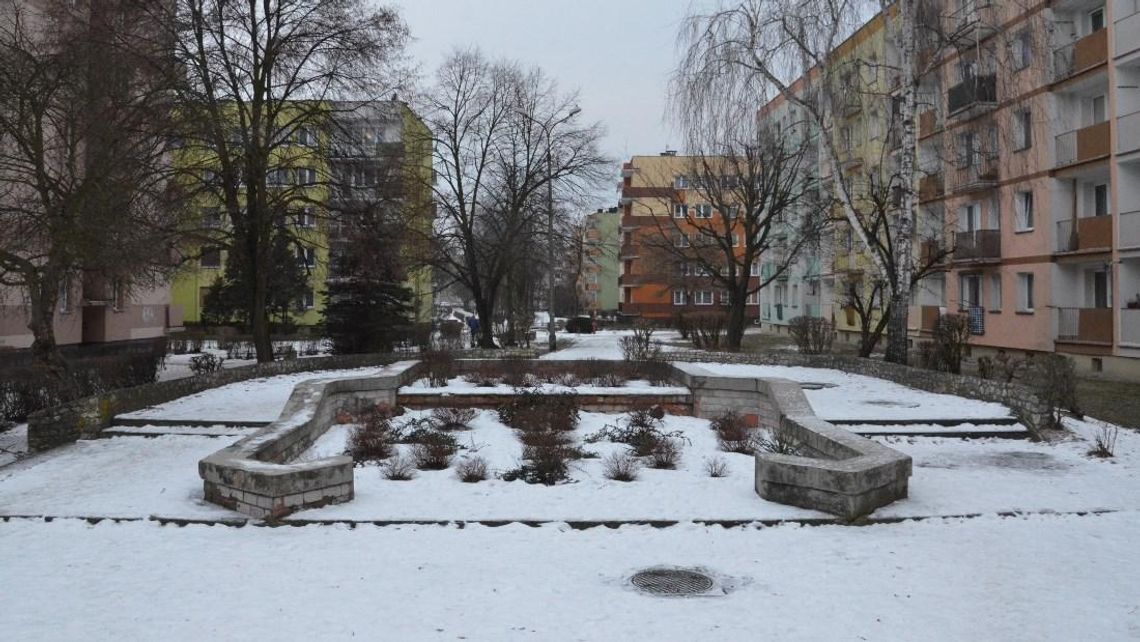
{"x":254,"y":476}
{"x":1022,"y":399}
{"x":839,"y":473}
{"x":673,"y":404}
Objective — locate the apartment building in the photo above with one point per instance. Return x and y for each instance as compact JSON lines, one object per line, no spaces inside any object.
{"x":367,"y":154}
{"x":598,"y":282}
{"x":659,"y":204}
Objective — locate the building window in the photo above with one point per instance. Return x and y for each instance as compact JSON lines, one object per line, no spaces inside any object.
{"x":1023,"y":130}
{"x":118,"y":295}
{"x":735,"y":240}
{"x":307,"y":301}
{"x":1025,"y":292}
{"x":306,"y":137}
{"x":681,"y":240}
{"x":211,"y":259}
{"x":1023,"y":209}
{"x":1100,"y":200}
{"x":1099,"y":109}
{"x":755,"y":270}
{"x":1021,"y":49}
{"x":307,"y":256}
{"x":277,"y":177}
{"x":64,"y":303}
{"x":753,"y":299}
{"x":704,"y":210}
{"x":732,"y":211}
{"x":211,"y":218}
{"x":995,"y":292}
{"x":306,"y":176}
{"x":1096,"y":20}
{"x":681,"y":182}
{"x":680,"y":210}
{"x":703,"y":297}
{"x":678,"y":297}
{"x":725,"y":297}
{"x":305,"y":218}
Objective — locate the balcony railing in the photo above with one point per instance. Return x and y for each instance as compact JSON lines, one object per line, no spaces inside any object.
{"x":929,"y":315}
{"x":1129,"y":230}
{"x":1085,"y":234}
{"x":1080,"y":55}
{"x":982,"y":174}
{"x":978,"y":245}
{"x":927,"y":123}
{"x":930,"y":252}
{"x":1127,"y":29}
{"x":1130,"y":325}
{"x":973,"y":94}
{"x":1128,"y":132}
{"x":971,"y":22}
{"x":1085,"y":325}
{"x":975,"y":315}
{"x":1084,"y":144}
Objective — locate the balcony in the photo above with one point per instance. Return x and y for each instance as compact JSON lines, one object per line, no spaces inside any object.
{"x":1128,"y":132}
{"x":929,"y":315}
{"x":1127,"y":31}
{"x":982,"y":174}
{"x":971,"y":23}
{"x":975,"y":315}
{"x":978,"y":246}
{"x":1129,"y":230}
{"x":930,"y":252}
{"x":1081,"y":55}
{"x":1130,"y":325}
{"x":972,"y":96}
{"x":1083,"y":145}
{"x":930,"y":187}
{"x":1084,"y":325}
{"x":1089,"y":234}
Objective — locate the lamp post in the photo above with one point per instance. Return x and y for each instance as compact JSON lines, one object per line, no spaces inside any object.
{"x":552,"y":339}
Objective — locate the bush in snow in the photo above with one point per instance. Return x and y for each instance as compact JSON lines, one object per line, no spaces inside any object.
{"x":373,"y":439}
{"x":733,"y":433}
{"x":1055,"y":380}
{"x":812,"y":334}
{"x":398,"y":468}
{"x":778,"y":441}
{"x":1104,"y":441}
{"x":706,"y":329}
{"x":716,"y":467}
{"x":452,"y":418}
{"x":439,"y":365}
{"x":532,"y":411}
{"x":621,"y":467}
{"x":640,"y":346}
{"x":472,"y":470}
{"x":640,"y":429}
{"x":431,"y":449}
{"x":206,"y":364}
{"x":666,"y":454}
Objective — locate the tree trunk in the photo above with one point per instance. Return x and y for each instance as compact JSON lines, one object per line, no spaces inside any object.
{"x":897,"y":338}
{"x":259,"y":316}
{"x":43,"y":296}
{"x":734,"y":335}
{"x":486,"y":310}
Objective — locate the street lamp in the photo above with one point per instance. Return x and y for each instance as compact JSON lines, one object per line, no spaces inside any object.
{"x":552,"y":340}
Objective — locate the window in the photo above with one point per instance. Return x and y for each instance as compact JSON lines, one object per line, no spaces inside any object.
{"x":752,"y":299}
{"x":683,"y":269}
{"x":995,"y":292}
{"x":681,"y":240}
{"x":681,"y":182}
{"x":1099,"y":109}
{"x":306,"y":137}
{"x":1100,"y":200}
{"x":1096,"y":19}
{"x":732,"y":211}
{"x":1023,"y":130}
{"x":1101,"y":289}
{"x":680,"y":210}
{"x":1021,"y":49}
{"x":1025,"y":292}
{"x":678,"y":297}
{"x":725,"y":297}
{"x":211,"y":218}
{"x":211,"y":259}
{"x":968,"y":150}
{"x":307,"y":301}
{"x":277,"y":177}
{"x":970,"y":286}
{"x":970,"y":218}
{"x":305,"y":218}
{"x":1023,"y":209}
{"x":755,"y":271}
{"x":307,"y":256}
{"x":118,"y":295}
{"x":64,"y":303}
{"x":735,"y":240}
{"x":306,"y":176}
{"x":704,"y":210}
{"x":703,"y":297}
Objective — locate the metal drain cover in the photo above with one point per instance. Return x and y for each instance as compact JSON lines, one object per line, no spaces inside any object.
{"x":666,"y":581}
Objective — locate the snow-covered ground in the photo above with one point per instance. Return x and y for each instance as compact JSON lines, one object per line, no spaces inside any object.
{"x":1044,"y":577}
{"x":459,"y":386}
{"x":600,"y":345}
{"x":253,"y":400}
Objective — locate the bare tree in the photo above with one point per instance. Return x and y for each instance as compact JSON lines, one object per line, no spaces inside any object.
{"x":496,"y":150}
{"x":84,"y":190}
{"x":263,"y":86}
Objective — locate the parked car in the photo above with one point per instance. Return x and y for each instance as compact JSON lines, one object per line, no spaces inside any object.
{"x":581,"y":325}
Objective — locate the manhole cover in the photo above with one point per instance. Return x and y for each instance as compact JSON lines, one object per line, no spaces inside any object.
{"x":672,"y":582}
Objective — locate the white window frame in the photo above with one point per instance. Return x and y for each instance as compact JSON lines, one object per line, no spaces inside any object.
{"x":681,"y":182}
{"x":1025,"y":294}
{"x":755,"y":269}
{"x":1023,"y":129}
{"x":725,"y":297}
{"x":703,"y":210}
{"x":995,"y":292}
{"x":681,"y":240}
{"x":1024,"y":215}
{"x":680,"y":210}
{"x":63,"y":303}
{"x":307,"y":256}
{"x":679,"y":297}
{"x":703,"y":297}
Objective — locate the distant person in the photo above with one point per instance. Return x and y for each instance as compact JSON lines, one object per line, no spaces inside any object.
{"x":473,"y":326}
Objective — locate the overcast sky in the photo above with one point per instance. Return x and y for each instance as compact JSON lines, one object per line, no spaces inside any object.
{"x":616,"y":53}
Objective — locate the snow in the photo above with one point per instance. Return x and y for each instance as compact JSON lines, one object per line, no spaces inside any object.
{"x":253,"y":400}
{"x":600,"y":345}
{"x":857,"y":397}
{"x":13,"y":444}
{"x":458,"y":386}
{"x":1043,"y":577}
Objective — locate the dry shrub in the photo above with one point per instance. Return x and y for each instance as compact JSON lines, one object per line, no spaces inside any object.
{"x":398,"y":468}
{"x":535,"y":411}
{"x":666,"y":454}
{"x":716,"y":467}
{"x":640,"y":429}
{"x":1002,"y":367}
{"x":452,"y":418}
{"x":950,"y":337}
{"x":812,"y":334}
{"x":547,"y":456}
{"x":439,"y":366}
{"x":1054,"y":378}
{"x":779,"y":441}
{"x":433,"y":450}
{"x":472,"y":470}
{"x":733,"y":433}
{"x":621,"y":467}
{"x":706,"y":329}
{"x":372,"y":440}
{"x":640,"y":346}
{"x":1104,"y":441}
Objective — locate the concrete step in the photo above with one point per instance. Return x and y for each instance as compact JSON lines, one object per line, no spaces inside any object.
{"x":192,"y":423}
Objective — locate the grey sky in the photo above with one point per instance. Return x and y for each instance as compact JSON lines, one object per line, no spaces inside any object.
{"x":617,"y":53}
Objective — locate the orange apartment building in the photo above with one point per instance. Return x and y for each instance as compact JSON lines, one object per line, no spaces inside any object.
{"x":657,"y":201}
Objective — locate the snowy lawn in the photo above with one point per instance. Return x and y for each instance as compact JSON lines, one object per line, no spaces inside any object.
{"x":1046,"y":577}
{"x":856,"y":397}
{"x":253,"y":400}
{"x":603,"y":344}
